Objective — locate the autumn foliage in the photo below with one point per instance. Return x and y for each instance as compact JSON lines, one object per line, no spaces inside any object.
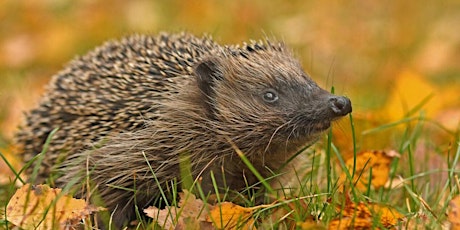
{"x":41,"y":207}
{"x":394,"y":165}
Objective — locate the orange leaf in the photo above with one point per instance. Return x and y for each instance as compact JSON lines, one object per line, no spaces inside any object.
{"x":388,"y":216}
{"x":193,"y":213}
{"x":227,"y":215}
{"x":363,"y":216}
{"x":378,"y":161}
{"x":41,"y":207}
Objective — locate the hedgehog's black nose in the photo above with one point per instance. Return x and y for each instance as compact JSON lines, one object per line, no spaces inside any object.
{"x":340,"y":106}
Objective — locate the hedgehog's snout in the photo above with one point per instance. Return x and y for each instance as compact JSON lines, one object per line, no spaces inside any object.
{"x":339,"y":105}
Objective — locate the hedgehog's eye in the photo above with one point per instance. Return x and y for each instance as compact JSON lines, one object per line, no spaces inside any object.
{"x":270,"y":96}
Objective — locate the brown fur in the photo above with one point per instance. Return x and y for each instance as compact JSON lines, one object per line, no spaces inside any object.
{"x":147,"y":100}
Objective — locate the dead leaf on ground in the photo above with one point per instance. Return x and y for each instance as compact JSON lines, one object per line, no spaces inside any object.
{"x":193,"y":213}
{"x":42,"y":207}
{"x":410,"y":89}
{"x":227,"y":215}
{"x":378,"y":161}
{"x":189,"y":213}
{"x":363,"y":216}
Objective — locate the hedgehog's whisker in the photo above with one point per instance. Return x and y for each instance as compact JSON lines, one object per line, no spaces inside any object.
{"x":274,"y":133}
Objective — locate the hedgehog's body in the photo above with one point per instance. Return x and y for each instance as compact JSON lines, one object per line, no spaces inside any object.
{"x":113,"y":89}
{"x":153,"y":99}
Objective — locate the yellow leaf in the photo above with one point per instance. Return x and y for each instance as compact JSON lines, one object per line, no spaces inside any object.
{"x":42,"y":207}
{"x":352,"y":217}
{"x":231,"y":216}
{"x":378,"y":161}
{"x":409,"y":91}
{"x":388,"y":216}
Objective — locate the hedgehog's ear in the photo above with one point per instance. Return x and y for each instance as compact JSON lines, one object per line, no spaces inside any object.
{"x":207,"y":74}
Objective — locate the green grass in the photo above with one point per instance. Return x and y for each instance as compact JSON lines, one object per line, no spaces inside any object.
{"x":318,"y":198}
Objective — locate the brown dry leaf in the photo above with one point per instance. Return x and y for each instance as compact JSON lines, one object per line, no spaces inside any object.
{"x":227,"y":215}
{"x":193,"y":213}
{"x":189,"y":213}
{"x":379,"y":161}
{"x":454,"y":213}
{"x":363,"y":216}
{"x":42,"y":207}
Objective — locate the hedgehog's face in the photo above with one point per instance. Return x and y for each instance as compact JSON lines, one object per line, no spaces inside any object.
{"x":265,"y":98}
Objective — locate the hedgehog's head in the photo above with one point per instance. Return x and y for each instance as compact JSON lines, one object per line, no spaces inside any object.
{"x":259,"y":95}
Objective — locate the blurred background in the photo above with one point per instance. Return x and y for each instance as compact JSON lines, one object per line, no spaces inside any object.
{"x":394,"y":59}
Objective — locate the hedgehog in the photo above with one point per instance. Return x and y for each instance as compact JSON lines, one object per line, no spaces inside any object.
{"x":128,"y":111}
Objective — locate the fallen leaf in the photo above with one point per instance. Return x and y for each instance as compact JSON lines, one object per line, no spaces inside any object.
{"x":190,"y":212}
{"x":42,"y":207}
{"x":389,"y":217}
{"x":409,"y":91}
{"x":363,"y":216}
{"x":193,"y":213}
{"x":378,"y":161}
{"x":227,"y":215}
{"x":412,"y":90}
